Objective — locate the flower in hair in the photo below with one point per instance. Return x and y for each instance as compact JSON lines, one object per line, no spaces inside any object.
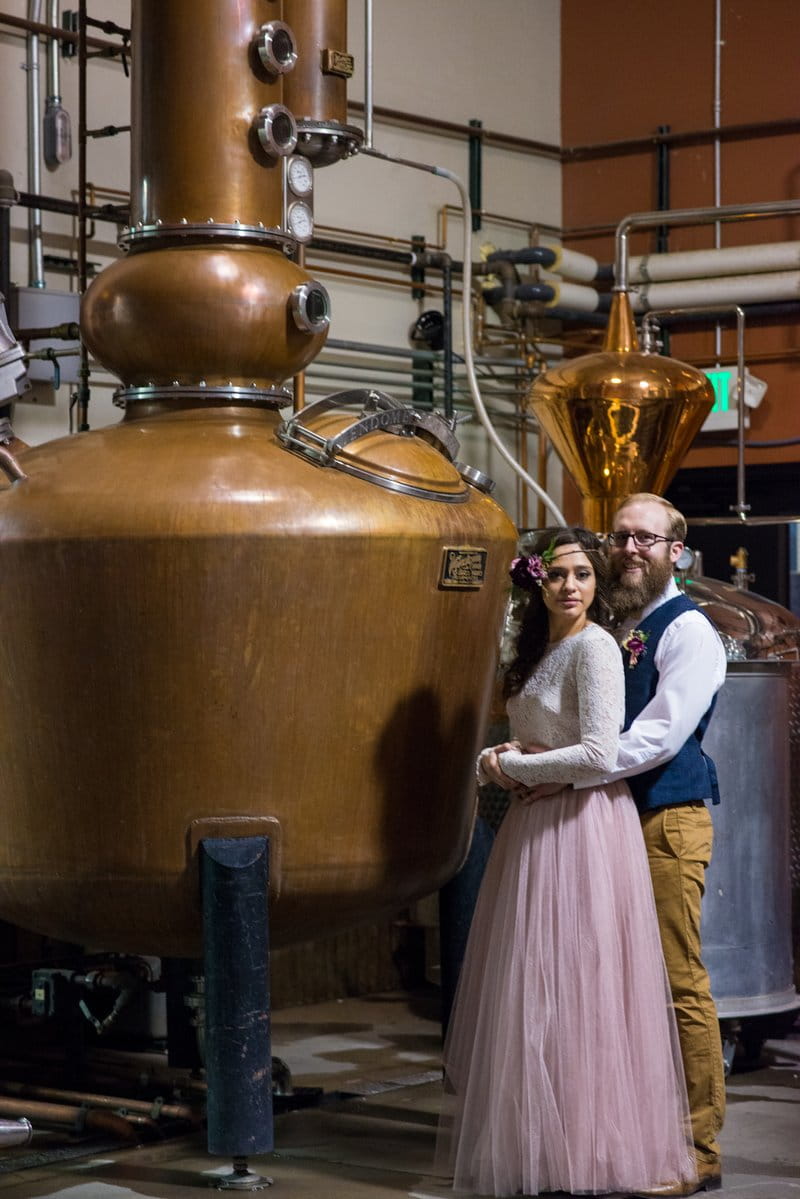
{"x":530,"y":570}
{"x":634,"y":643}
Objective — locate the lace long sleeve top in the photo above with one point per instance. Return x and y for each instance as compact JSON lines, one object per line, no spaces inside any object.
{"x":573,"y":702}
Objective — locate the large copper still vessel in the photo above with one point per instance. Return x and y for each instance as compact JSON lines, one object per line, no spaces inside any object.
{"x":205,"y":633}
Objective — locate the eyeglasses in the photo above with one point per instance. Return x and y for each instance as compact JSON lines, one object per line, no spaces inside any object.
{"x":641,"y":539}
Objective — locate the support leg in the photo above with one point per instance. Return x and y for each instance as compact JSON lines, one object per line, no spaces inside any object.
{"x":234,"y":875}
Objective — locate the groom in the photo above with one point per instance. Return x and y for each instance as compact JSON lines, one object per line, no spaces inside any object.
{"x":674,"y":666}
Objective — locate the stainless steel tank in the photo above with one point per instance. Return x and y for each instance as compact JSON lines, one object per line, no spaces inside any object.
{"x":747,"y":928}
{"x":754,"y":740}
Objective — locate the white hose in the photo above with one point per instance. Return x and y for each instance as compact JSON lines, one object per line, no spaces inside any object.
{"x":466,"y":308}
{"x":469,"y":362}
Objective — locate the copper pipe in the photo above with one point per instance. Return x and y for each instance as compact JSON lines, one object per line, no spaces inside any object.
{"x":143,"y":1107}
{"x":10,"y":466}
{"x":393,"y":116}
{"x":61,"y":1116}
{"x":541,"y":473}
{"x":299,"y":380}
{"x":64,"y":35}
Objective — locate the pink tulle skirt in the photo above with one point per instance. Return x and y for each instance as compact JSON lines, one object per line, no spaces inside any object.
{"x":562,"y":1062}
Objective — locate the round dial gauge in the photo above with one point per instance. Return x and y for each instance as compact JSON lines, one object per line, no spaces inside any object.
{"x":685,"y":559}
{"x":300,"y":220}
{"x":301,"y":175}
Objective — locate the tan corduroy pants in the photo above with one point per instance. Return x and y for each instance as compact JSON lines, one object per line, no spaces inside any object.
{"x":678,"y":841}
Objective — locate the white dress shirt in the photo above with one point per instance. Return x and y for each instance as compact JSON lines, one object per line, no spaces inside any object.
{"x":690,"y":660}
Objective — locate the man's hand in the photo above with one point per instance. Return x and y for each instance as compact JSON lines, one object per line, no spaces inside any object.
{"x":530,"y":795}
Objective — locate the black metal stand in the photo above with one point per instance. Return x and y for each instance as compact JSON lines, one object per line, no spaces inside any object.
{"x":234,"y":875}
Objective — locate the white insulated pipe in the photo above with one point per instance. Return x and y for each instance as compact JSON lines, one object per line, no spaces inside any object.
{"x":729,"y":289}
{"x":701,"y":264}
{"x":581,"y":268}
{"x":570,"y":295}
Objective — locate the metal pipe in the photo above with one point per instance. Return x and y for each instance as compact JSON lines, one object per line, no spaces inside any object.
{"x":662,"y":188}
{"x":57,"y":132}
{"x":368,"y":74}
{"x":501,"y":141}
{"x":741,"y":508}
{"x":475,"y":173}
{"x":447,"y":346}
{"x":35,"y":249}
{"x":8,"y":197}
{"x":144,"y":1107}
{"x":53,"y":84}
{"x":83,"y":370}
{"x":59,"y":1115}
{"x":717,"y":146}
{"x":689,"y":137}
{"x":15,"y":1132}
{"x":108,"y":49}
{"x":689,"y":216}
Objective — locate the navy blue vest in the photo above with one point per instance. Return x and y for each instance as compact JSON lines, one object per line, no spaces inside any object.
{"x":690,"y":775}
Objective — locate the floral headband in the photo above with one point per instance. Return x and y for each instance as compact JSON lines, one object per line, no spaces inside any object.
{"x":530,"y":570}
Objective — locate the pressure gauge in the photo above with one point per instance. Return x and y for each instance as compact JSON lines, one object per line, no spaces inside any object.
{"x":685,"y":559}
{"x":301,"y":175}
{"x":300,"y":220}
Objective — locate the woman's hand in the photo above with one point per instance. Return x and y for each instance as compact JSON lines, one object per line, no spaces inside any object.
{"x":490,"y":762}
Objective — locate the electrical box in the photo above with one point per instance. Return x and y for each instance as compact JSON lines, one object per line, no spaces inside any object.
{"x":41,"y":308}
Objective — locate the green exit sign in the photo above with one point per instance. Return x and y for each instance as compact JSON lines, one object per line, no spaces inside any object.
{"x":724,"y":414}
{"x":721,"y":382}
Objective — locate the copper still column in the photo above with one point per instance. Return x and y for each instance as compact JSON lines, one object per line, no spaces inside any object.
{"x":207,"y":635}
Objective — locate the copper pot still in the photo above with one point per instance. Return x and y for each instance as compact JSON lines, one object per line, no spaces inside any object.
{"x":212,"y":627}
{"x":621,"y":420}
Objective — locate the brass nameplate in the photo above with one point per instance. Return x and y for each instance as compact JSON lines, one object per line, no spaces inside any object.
{"x":336,"y":62}
{"x":463,"y":566}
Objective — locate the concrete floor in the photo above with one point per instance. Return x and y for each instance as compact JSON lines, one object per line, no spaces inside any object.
{"x":377,"y":1062}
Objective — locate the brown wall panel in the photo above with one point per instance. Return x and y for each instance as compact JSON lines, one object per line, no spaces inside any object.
{"x":628,"y":69}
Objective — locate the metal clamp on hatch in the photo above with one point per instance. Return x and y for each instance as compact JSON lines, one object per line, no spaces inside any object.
{"x":379,"y":413}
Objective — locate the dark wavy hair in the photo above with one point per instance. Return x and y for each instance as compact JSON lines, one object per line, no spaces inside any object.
{"x":533,"y":633}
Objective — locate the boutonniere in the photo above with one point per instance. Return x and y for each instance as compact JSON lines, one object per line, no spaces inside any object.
{"x":634,"y":643}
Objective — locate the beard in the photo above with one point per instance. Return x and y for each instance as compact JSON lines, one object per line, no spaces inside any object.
{"x":631,"y":595}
